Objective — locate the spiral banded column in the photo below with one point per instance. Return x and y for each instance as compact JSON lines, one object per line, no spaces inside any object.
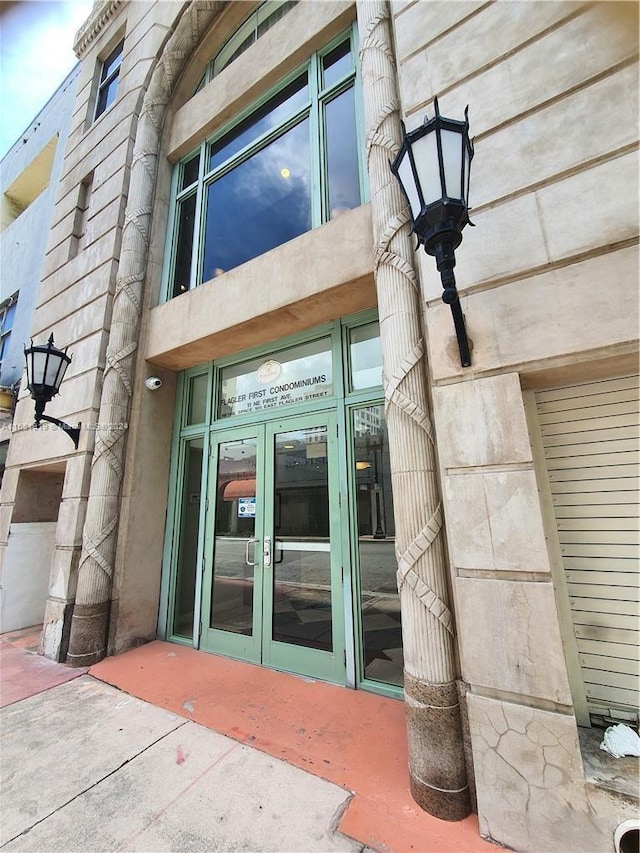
{"x":90,"y":620}
{"x":434,"y":731}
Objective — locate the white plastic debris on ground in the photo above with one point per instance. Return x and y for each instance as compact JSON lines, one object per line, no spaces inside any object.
{"x":620,"y":740}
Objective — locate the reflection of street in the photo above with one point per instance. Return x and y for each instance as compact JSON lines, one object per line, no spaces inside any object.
{"x":311,"y":568}
{"x":302,"y":598}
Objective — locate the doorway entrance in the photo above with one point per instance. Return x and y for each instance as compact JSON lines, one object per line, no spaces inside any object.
{"x":272,"y":586}
{"x":280,"y":542}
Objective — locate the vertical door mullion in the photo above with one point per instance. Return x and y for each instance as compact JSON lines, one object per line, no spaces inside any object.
{"x":200,"y":561}
{"x":316,"y":145}
{"x":198,"y":219}
{"x":336,"y":552}
{"x":268,"y":526}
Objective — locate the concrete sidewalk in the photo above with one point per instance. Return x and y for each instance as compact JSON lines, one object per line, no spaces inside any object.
{"x":165,"y":748}
{"x":86,"y":767}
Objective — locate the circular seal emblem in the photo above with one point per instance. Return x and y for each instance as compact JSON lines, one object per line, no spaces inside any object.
{"x":268,"y":372}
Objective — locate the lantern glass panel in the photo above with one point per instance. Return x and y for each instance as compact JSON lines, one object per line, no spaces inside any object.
{"x":452,"y":143}
{"x":425,"y":155}
{"x":53,"y":369}
{"x":38,"y":362}
{"x":467,"y":170}
{"x":405,"y":173}
{"x":62,"y":369}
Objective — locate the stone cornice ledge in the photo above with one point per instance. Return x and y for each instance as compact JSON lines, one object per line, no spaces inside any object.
{"x":102,"y":11}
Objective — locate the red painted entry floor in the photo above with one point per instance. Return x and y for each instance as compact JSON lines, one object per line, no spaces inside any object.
{"x":355,"y":739}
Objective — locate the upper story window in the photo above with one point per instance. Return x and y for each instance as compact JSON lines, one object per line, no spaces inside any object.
{"x":256,"y":25}
{"x":285,"y":166}
{"x":109,"y":79}
{"x":7,"y":314}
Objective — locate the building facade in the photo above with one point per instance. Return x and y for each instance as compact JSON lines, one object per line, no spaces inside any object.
{"x":29,"y":175}
{"x":281,"y":459}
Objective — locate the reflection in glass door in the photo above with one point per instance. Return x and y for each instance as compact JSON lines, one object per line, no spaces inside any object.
{"x":302,"y":566}
{"x":381,"y":654}
{"x":230,"y":603}
{"x":273,"y":548}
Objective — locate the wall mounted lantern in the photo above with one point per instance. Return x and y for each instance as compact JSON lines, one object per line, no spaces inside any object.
{"x":46,"y":366}
{"x":433,"y":167}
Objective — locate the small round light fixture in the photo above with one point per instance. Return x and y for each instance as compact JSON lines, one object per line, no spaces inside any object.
{"x":285,"y":173}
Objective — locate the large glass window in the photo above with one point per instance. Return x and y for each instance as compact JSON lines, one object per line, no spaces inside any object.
{"x":283,"y":168}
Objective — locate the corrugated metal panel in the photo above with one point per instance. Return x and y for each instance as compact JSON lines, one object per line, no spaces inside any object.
{"x":591,"y":436}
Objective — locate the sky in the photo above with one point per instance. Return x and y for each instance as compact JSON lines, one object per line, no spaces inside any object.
{"x":36,"y":54}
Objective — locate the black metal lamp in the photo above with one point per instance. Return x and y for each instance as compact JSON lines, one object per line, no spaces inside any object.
{"x":433,"y":167}
{"x":46,"y":367}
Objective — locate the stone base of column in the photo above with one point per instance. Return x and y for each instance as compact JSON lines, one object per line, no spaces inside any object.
{"x":56,"y":626}
{"x":436,"y":749}
{"x":89,"y":627}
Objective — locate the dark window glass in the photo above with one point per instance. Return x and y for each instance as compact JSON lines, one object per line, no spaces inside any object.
{"x":233,"y":578}
{"x":342,"y":154}
{"x":302,"y":551}
{"x":365,"y":356}
{"x":182,"y":270}
{"x":190,"y":172}
{"x":9,"y":314}
{"x":275,"y":16}
{"x":197,"y":408}
{"x":109,"y":79}
{"x":4,"y":344}
{"x":382,"y":657}
{"x":253,"y":28}
{"x":336,"y":64}
{"x":245,"y":45}
{"x":264,"y":202}
{"x":107,"y":96}
{"x":188,"y":554}
{"x":285,"y":103}
{"x":112,"y":62}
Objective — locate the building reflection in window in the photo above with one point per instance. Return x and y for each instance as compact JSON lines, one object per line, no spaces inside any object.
{"x":189,"y":525}
{"x":381,"y":631}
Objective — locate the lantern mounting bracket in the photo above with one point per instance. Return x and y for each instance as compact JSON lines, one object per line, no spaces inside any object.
{"x":72,"y":432}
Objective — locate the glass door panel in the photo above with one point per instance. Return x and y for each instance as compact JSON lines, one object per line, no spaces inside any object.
{"x":302,"y":565}
{"x":182,"y":624}
{"x":303,"y":631}
{"x":273,"y":557}
{"x":233,"y":560}
{"x":381,"y":654}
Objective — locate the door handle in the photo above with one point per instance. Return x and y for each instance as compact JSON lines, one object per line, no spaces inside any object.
{"x":246,"y":552}
{"x":266,"y":551}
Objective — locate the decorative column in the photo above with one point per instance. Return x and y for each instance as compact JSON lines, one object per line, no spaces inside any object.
{"x":90,"y":620}
{"x":434,"y":729}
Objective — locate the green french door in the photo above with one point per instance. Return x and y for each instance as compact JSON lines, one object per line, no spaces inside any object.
{"x":272,"y":586}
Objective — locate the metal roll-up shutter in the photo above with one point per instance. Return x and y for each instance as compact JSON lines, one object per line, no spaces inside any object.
{"x":591,"y":435}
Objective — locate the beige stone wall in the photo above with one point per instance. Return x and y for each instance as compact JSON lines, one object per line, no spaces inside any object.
{"x":186,"y":331}
{"x":77,"y":287}
{"x":548,"y":283}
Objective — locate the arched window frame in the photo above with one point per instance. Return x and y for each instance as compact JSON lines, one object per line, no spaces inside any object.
{"x":258,"y":23}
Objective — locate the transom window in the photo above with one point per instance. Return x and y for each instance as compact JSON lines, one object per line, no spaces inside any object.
{"x":256,"y":25}
{"x":283,"y":167}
